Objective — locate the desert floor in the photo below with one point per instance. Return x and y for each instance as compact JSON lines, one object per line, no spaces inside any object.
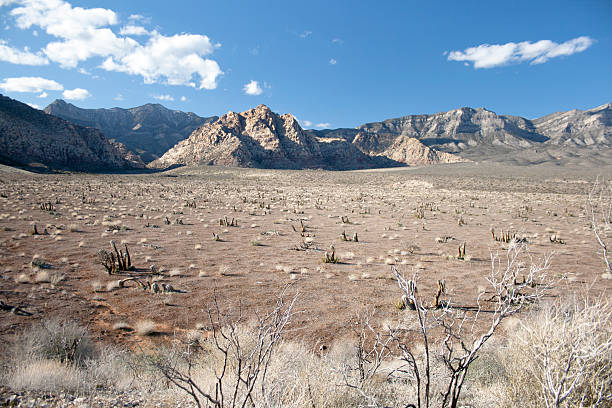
{"x":412,"y":219}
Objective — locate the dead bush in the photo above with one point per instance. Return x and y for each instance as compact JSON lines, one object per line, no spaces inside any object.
{"x":562,"y":356}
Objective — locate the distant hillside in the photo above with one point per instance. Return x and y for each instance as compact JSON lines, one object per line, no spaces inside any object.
{"x":31,"y":138}
{"x":149,"y":130}
{"x":482,"y":135}
{"x":261,"y":138}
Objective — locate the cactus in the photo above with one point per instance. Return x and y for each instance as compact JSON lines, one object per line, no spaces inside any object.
{"x":461,"y":251}
{"x":330,"y":257}
{"x":441,"y":289}
{"x":117,"y":261}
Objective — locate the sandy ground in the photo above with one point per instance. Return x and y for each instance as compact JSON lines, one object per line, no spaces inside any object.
{"x":413,"y":219}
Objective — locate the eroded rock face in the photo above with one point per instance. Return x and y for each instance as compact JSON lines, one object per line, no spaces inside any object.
{"x":149,"y":130}
{"x":454,"y":131}
{"x":255,"y":138}
{"x":578,"y":128}
{"x":262,"y":138}
{"x":410,"y":151}
{"x":30,"y":137}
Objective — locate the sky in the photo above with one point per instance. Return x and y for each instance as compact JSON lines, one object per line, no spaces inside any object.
{"x":329,"y":63}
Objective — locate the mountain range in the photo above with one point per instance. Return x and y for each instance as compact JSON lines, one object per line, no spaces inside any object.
{"x":148,"y":130}
{"x":482,"y":135}
{"x":31,"y":138}
{"x":262,"y":138}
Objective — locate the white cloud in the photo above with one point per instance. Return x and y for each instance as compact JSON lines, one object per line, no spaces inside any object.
{"x":183,"y":99}
{"x":119,"y":97}
{"x":16,"y":56}
{"x":133,"y":30}
{"x":305,"y":34}
{"x":33,"y":105}
{"x":77,"y":94}
{"x":178,"y":59}
{"x":84,"y":33}
{"x":43,"y":95}
{"x":489,"y":56}
{"x":323,"y":125}
{"x":306,"y":123}
{"x":30,"y":84}
{"x":338,"y":41}
{"x":252,"y":88}
{"x":163,"y":97}
{"x":139,"y":17}
{"x":333,"y":61}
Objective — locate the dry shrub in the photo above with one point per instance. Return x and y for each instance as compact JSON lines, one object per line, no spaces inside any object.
{"x":55,"y":339}
{"x":58,"y":356}
{"x":562,"y":357}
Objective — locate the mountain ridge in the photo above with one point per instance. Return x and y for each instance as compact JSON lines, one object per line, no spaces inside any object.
{"x":259,"y":137}
{"x":31,"y":138}
{"x":149,"y":130}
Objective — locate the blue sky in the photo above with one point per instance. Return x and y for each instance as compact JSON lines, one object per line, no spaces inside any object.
{"x":330,"y":63}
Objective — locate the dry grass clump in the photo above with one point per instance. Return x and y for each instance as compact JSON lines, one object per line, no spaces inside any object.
{"x":175,"y":272}
{"x":58,"y":356}
{"x":46,"y":375}
{"x":112,"y":285}
{"x":22,"y":278}
{"x":144,"y":328}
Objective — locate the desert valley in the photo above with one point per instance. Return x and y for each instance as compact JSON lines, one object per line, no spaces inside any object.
{"x":158,"y":249}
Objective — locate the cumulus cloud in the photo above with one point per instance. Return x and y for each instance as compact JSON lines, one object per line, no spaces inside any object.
{"x":43,"y":95}
{"x":83,"y":33}
{"x":163,"y":97}
{"x":323,"y":125}
{"x":183,"y":99}
{"x":306,"y":123}
{"x":16,"y":56}
{"x":252,"y":88}
{"x":30,"y":84}
{"x":333,"y":61}
{"x":305,"y":34}
{"x":494,"y":55}
{"x":77,"y":94}
{"x":33,"y":105}
{"x":177,"y":59}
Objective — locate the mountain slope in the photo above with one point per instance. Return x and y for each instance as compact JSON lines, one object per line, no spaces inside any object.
{"x":482,"y":135}
{"x":262,"y":138}
{"x":149,"y":130}
{"x":578,"y":128}
{"x":30,"y":137}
